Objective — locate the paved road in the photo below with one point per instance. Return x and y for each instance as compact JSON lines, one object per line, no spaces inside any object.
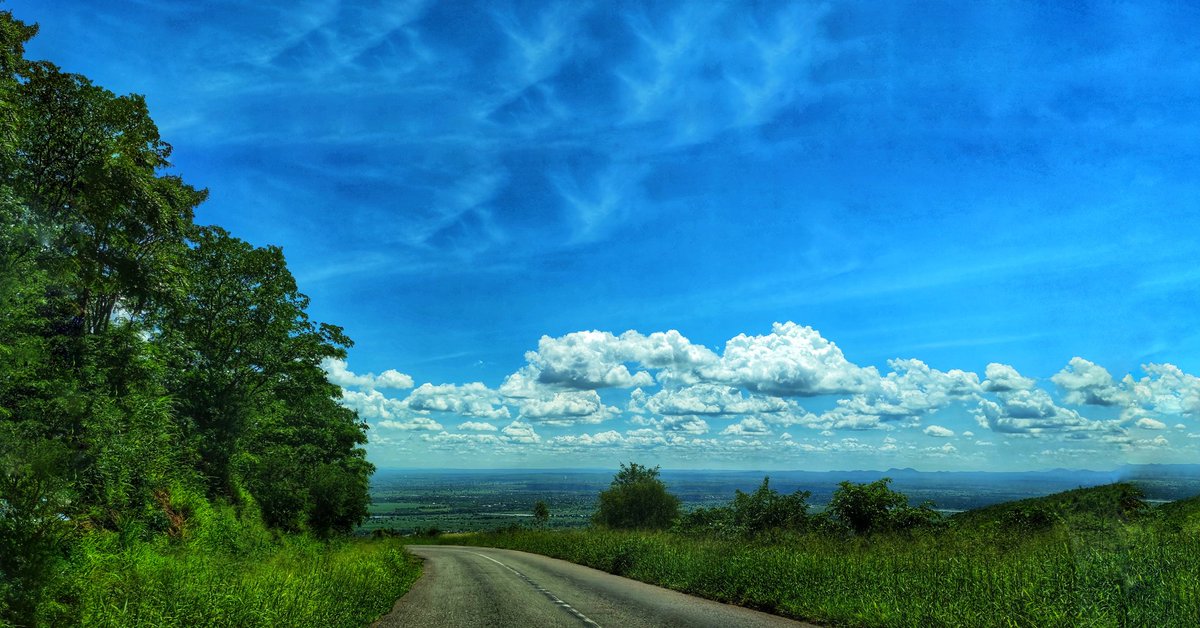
{"x":478,"y":586}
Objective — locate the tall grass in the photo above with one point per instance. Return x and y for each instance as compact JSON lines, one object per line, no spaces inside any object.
{"x":1140,"y":576}
{"x":293,"y":582}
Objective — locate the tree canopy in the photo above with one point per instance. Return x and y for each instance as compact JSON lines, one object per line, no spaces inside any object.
{"x":146,"y":362}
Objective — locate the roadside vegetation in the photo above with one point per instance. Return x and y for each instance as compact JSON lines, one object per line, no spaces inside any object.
{"x":1089,"y":557}
{"x":171,"y":451}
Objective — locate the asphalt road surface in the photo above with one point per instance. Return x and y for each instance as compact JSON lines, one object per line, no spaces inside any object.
{"x":480,"y":586}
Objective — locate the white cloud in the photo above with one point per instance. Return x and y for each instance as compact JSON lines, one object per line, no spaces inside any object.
{"x":339,"y":374}
{"x":1086,"y":383}
{"x":1032,"y":412}
{"x":411,"y":423}
{"x":1004,"y":378}
{"x":477,"y":426}
{"x":586,"y":360}
{"x":944,"y":450}
{"x":372,"y":405}
{"x":471,"y":441}
{"x":1158,"y":442}
{"x":912,"y":389}
{"x":707,"y":399}
{"x":602,"y":439}
{"x":747,"y":427}
{"x":686,"y":424}
{"x":519,"y":432}
{"x":792,"y":360}
{"x":1147,"y":423}
{"x":1165,"y":389}
{"x":753,"y":380}
{"x":473,"y":400}
{"x":567,"y":408}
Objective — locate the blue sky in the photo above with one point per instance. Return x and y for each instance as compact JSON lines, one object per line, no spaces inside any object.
{"x":882,"y":234}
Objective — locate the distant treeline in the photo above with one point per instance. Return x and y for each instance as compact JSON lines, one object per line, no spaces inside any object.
{"x":639,"y":500}
{"x":150,"y":368}
{"x":1098,"y":556}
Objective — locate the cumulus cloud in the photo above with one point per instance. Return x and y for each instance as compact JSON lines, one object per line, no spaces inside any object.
{"x":473,"y":400}
{"x":792,"y":360}
{"x":519,"y":432}
{"x":373,"y":405}
{"x":411,"y":423}
{"x":685,"y":424}
{"x":1032,"y":412}
{"x":586,"y":360}
{"x":706,"y":399}
{"x":747,"y":427}
{"x":938,"y":431}
{"x":1165,"y":389}
{"x":1147,"y":423}
{"x":446,"y":440}
{"x":911,"y":390}
{"x":679,"y":387}
{"x":338,"y":373}
{"x":1004,"y":378}
{"x":567,"y":408}
{"x":1086,"y":383}
{"x":602,"y":439}
{"x":476,"y":426}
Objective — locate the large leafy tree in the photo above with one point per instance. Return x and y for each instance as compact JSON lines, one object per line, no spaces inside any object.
{"x":90,"y":165}
{"x":245,"y":373}
{"x":139,"y":353}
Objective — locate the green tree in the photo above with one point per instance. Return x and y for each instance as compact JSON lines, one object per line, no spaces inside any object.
{"x":541,"y":513}
{"x":256,"y":405}
{"x":90,"y":168}
{"x":766,"y":510}
{"x":637,"y":499}
{"x":875,"y":507}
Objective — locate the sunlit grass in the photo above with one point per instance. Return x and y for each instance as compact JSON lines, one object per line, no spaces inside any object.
{"x":294,"y":582}
{"x":1131,"y":576}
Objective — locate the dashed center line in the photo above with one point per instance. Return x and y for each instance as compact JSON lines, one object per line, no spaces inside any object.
{"x":553,"y":598}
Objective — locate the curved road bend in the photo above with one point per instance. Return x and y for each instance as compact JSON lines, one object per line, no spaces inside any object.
{"x":482,"y":586}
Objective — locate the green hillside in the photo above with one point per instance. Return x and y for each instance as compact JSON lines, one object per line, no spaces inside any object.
{"x":1081,"y":508}
{"x":1183,"y":515}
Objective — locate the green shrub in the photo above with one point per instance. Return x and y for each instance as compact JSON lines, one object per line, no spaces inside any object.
{"x":637,"y":499}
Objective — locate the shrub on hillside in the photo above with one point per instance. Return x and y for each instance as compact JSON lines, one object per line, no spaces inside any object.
{"x":763,"y":511}
{"x":863,"y":508}
{"x":637,"y":499}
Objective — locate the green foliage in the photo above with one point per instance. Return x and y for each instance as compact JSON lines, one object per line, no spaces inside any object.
{"x":293,"y":582}
{"x":160,"y":382}
{"x":863,"y":508}
{"x":541,"y":513}
{"x":763,"y":511}
{"x":1097,"y":508}
{"x":637,"y":499}
{"x":1142,"y":576}
{"x":35,"y":494}
{"x":996,"y":566}
{"x":1180,"y":516}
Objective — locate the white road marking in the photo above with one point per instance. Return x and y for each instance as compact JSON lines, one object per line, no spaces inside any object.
{"x":553,"y":598}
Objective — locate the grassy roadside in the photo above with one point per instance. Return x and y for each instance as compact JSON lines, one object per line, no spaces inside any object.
{"x":289,"y":581}
{"x":1135,"y":576}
